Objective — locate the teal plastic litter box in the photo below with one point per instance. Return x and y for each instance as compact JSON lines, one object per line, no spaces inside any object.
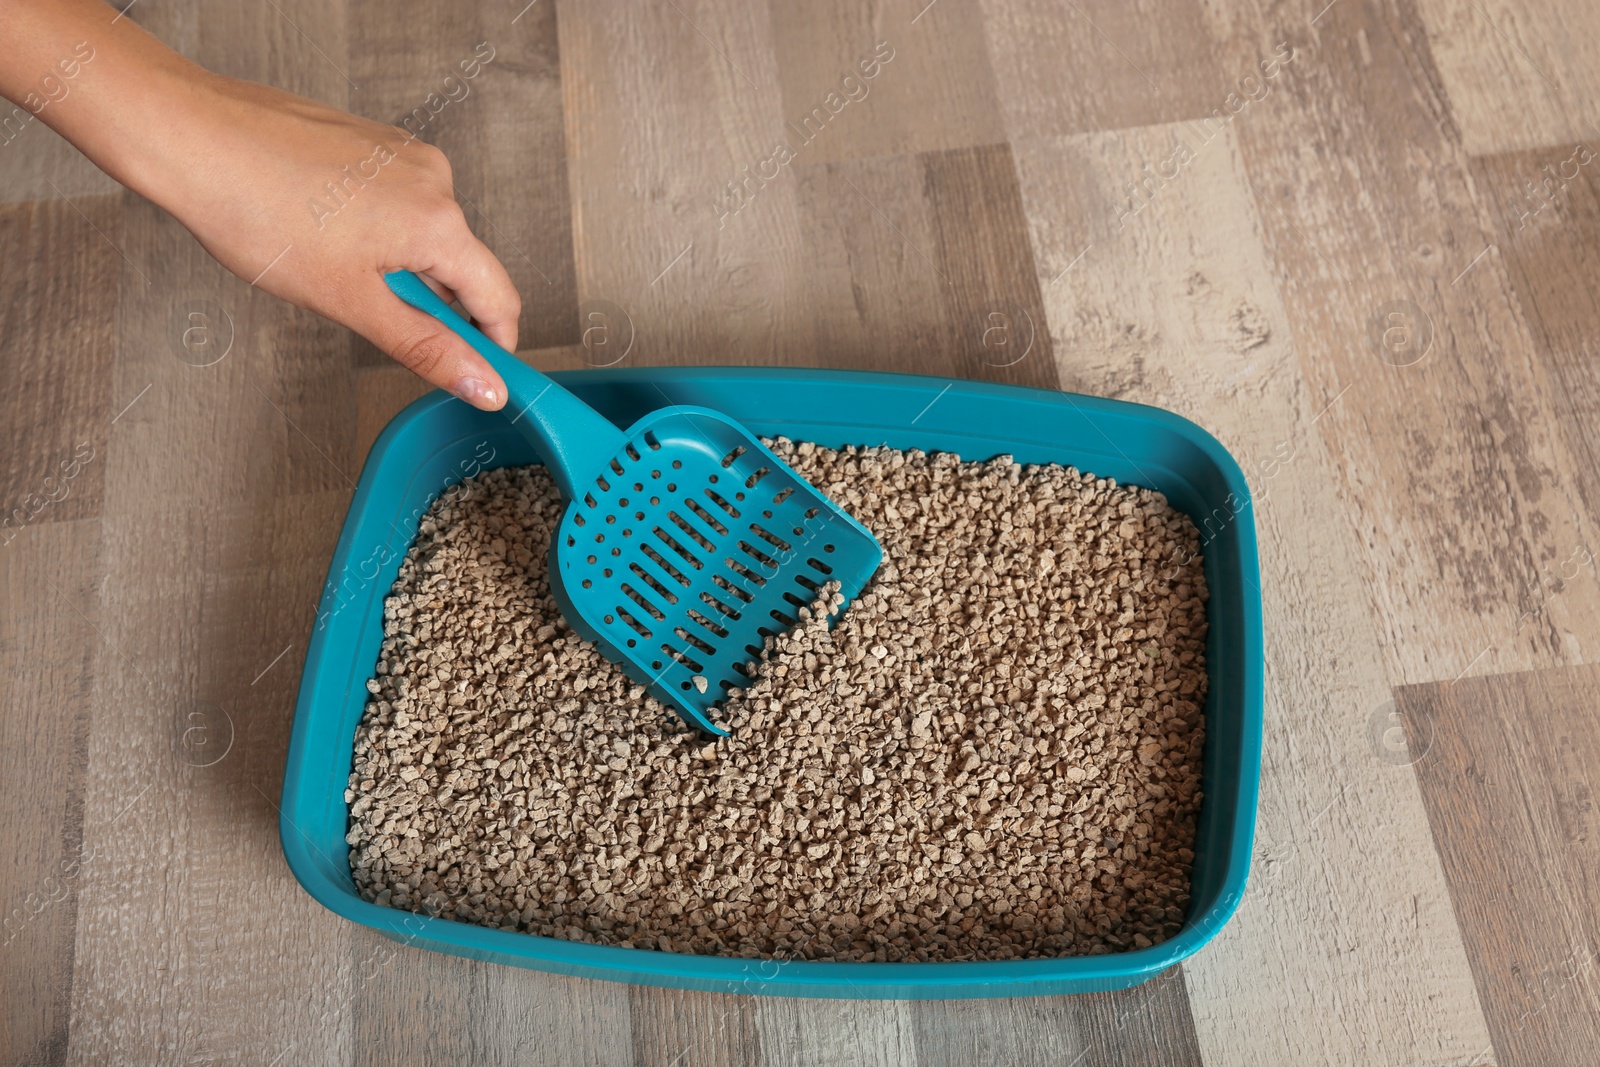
{"x":438,"y":441}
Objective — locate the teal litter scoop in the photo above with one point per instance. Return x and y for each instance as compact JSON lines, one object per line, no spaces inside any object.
{"x":685,"y":542}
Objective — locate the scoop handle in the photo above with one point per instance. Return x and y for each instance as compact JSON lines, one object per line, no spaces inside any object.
{"x":573,"y":438}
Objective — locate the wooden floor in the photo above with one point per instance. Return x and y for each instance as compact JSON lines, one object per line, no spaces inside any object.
{"x":1372,"y":275}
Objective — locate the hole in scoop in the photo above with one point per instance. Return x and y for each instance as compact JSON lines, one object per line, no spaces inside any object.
{"x":661,"y":561}
{"x":638,"y":627}
{"x":719,"y":607}
{"x":706,"y":517}
{"x":638,"y":598}
{"x":683,"y":658}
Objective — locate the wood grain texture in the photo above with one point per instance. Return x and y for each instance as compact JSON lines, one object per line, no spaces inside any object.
{"x":222,"y":500}
{"x":273,"y":405}
{"x":48,"y":575}
{"x":1508,"y":766}
{"x":1393,"y":297}
{"x":934,"y":91}
{"x":664,"y":110}
{"x":1147,"y":1024}
{"x":1516,"y":71}
{"x":61,"y":255}
{"x":408,"y":1005}
{"x":673,"y":1026}
{"x":925,"y":267}
{"x":822,"y":1033}
{"x":1547,"y":209}
{"x":188,"y":894}
{"x":1177,"y":305}
{"x":546,"y":1020}
{"x":1101,"y":64}
{"x":399,"y":986}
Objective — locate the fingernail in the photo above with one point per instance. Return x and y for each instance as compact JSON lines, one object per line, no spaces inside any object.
{"x":479,"y":393}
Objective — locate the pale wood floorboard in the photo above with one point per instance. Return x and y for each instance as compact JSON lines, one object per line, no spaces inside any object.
{"x":1177,"y":306}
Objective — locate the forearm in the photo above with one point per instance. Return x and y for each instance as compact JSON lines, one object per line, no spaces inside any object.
{"x":100,"y":81}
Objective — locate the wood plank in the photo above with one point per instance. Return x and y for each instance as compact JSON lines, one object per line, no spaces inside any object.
{"x":58,"y":330}
{"x":1508,"y":778}
{"x":501,"y":127}
{"x":48,"y":573}
{"x":1101,"y":64}
{"x":409,"y":1005}
{"x":1544,"y":242}
{"x":203,"y":627}
{"x":1517,"y":73}
{"x":1178,"y":306}
{"x":876,"y":291}
{"x":546,"y":1020}
{"x":299,"y":46}
{"x":924,"y":266}
{"x":516,"y":175}
{"x":57,"y":262}
{"x":993,"y":307}
{"x":222,"y":504}
{"x":1147,"y":1024}
{"x":673,"y":1026}
{"x":930,"y":88}
{"x":825,"y":1033}
{"x":1367,"y":258}
{"x":663,"y":110}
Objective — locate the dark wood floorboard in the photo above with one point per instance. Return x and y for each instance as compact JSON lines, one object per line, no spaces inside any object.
{"x":1509,"y":767}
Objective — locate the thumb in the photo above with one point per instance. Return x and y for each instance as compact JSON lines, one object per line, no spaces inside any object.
{"x":425,"y":346}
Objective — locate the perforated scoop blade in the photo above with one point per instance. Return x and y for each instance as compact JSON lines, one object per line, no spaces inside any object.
{"x":685,"y":542}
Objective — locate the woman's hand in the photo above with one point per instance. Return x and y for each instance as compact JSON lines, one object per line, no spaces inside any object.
{"x":315,"y":206}
{"x":307,"y":202}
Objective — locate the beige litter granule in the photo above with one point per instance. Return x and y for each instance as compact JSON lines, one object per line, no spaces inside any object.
{"x":995,"y":754}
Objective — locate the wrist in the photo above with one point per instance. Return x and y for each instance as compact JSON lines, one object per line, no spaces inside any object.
{"x":156,"y":149}
{"x":142,"y":116}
